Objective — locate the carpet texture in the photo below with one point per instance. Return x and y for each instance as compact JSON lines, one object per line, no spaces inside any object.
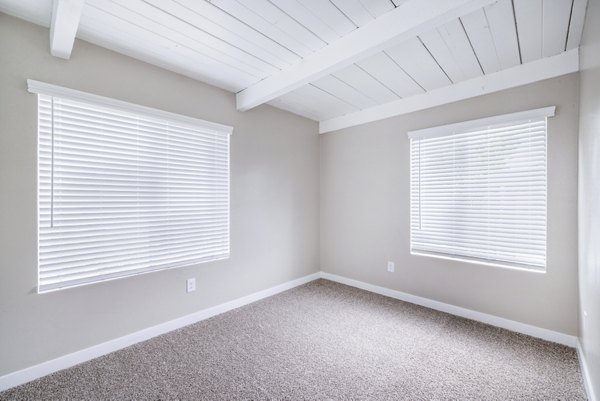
{"x":324,"y":341}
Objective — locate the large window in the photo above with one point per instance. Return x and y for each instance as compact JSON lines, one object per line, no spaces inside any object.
{"x":478,"y":190}
{"x":124,"y":189}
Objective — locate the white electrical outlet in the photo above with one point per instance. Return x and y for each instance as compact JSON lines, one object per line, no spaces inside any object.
{"x":391,"y":267}
{"x":190,"y":284}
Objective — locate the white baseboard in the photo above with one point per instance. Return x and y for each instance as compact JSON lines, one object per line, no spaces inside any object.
{"x":587,"y":378}
{"x":34,"y":372}
{"x":508,"y":324}
{"x":45,"y":368}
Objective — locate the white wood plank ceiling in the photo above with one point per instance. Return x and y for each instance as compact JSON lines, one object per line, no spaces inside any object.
{"x":261,"y":47}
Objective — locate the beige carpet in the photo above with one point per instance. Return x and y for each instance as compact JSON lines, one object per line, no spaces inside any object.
{"x":324,"y":341}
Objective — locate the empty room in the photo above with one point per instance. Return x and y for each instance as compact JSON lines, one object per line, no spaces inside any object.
{"x":300,"y":200}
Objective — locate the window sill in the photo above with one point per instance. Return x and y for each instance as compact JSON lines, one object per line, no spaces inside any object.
{"x":481,"y":262}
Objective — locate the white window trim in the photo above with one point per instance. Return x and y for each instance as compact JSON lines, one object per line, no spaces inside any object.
{"x":59,"y":91}
{"x":482,"y":262}
{"x":450,"y":129}
{"x":42,"y":88}
{"x":463,"y":127}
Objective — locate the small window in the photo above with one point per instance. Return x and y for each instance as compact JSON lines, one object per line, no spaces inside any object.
{"x":478,"y":190}
{"x":125,"y":189}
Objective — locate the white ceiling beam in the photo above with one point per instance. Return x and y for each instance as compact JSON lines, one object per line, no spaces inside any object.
{"x":410,"y":19}
{"x":545,"y":68}
{"x":63,"y":28}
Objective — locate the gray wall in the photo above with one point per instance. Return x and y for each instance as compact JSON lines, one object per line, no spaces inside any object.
{"x":365,"y":212}
{"x":589,"y":194}
{"x":274,"y":209}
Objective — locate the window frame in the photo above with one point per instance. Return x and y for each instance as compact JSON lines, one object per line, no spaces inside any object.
{"x":464,"y":128}
{"x":210,"y":128}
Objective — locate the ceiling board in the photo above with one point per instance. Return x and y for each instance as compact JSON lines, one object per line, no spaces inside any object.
{"x":528,"y":14}
{"x":417,"y":62}
{"x":135,"y":26}
{"x":378,"y":7}
{"x":327,"y":104}
{"x":385,"y":70}
{"x":502,"y":25}
{"x":308,"y":19}
{"x":331,"y":15}
{"x":452,"y":50}
{"x":344,"y":92}
{"x":576,"y":24}
{"x":147,"y":17}
{"x":298,"y":105}
{"x":359,"y":79}
{"x":478,"y":30}
{"x":201,"y":70}
{"x":218,"y":22}
{"x":276,"y":33}
{"x":277,"y":17}
{"x":354,"y":10}
{"x":555,"y":15}
{"x":104,"y":23}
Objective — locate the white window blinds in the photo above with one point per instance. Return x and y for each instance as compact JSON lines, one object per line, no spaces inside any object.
{"x":478,"y":190}
{"x":124,"y":189}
